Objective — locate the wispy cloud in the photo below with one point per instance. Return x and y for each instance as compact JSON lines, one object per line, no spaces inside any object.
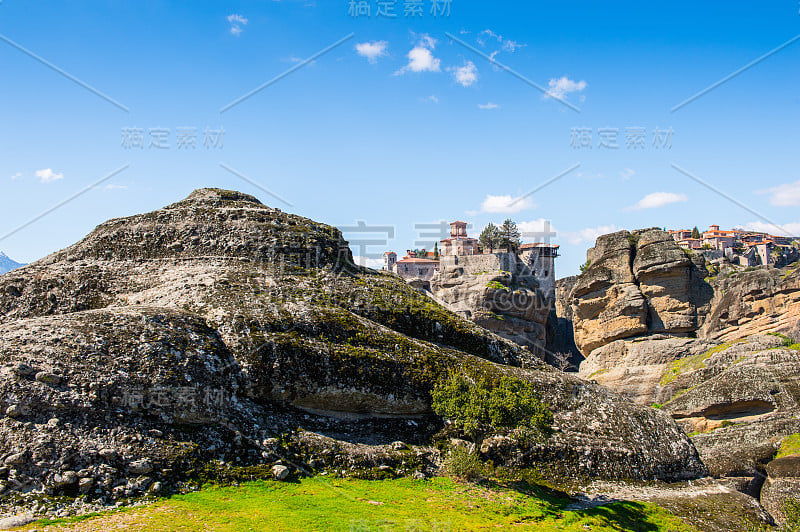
{"x":465,"y":75}
{"x":540,"y":230}
{"x":368,"y":262}
{"x":506,"y":45}
{"x":48,"y":176}
{"x":559,"y":88}
{"x":506,"y":204}
{"x":421,"y":58}
{"x":17,"y":175}
{"x":786,"y":195}
{"x":112,"y":186}
{"x":627,"y":174}
{"x":790,"y":229}
{"x":236,"y":21}
{"x":372,"y":50}
{"x":588,"y":234}
{"x":657,"y":199}
{"x":430,"y":99}
{"x":488,"y":106}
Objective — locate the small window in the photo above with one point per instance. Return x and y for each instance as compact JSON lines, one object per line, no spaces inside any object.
{"x":546,"y":273}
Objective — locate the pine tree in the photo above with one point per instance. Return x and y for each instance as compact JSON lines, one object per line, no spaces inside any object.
{"x":490,"y":237}
{"x":695,"y":232}
{"x":436,"y":251}
{"x":509,"y":236}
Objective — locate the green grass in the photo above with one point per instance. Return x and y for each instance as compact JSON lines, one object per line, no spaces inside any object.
{"x":497,"y":285}
{"x":692,"y":363}
{"x":403,"y":504}
{"x":789,"y":445}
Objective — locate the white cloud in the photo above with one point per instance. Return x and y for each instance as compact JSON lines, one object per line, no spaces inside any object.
{"x":421,"y":59}
{"x":786,"y":195}
{"x":376,"y":264}
{"x":426,"y":41}
{"x":488,"y":106}
{"x":627,"y":174}
{"x":430,"y":99}
{"x":589,"y":234}
{"x":112,"y":186}
{"x":465,"y":75}
{"x":236,"y":21}
{"x":559,"y":88}
{"x":790,"y":229}
{"x":17,"y":175}
{"x":540,"y":230}
{"x":657,"y":199}
{"x":506,"y":204}
{"x":372,"y":50}
{"x":48,"y":176}
{"x":511,"y":46}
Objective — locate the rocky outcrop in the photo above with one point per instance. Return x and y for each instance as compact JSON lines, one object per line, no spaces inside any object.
{"x":782,"y":487}
{"x":635,"y":368}
{"x":199,"y":337}
{"x":754,"y":302}
{"x":635,"y":284}
{"x":498,"y":292}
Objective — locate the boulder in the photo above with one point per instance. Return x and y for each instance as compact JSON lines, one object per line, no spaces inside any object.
{"x":280,"y":472}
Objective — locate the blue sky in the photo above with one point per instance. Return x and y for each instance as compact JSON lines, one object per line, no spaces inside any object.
{"x":400,"y":125}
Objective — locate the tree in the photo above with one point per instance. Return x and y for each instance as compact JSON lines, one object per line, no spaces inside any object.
{"x":561,"y":360}
{"x":436,"y":251}
{"x":490,"y":237}
{"x":509,"y":236}
{"x":695,"y":232}
{"x":487,"y":406}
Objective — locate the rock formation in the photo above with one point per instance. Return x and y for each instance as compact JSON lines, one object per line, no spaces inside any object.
{"x":498,"y":292}
{"x":636,"y":283}
{"x":654,"y":327}
{"x":218,"y":333}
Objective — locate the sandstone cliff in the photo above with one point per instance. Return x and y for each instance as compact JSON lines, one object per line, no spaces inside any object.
{"x":498,"y":292}
{"x":636,"y":284}
{"x":218,"y":333}
{"x":663,"y":333}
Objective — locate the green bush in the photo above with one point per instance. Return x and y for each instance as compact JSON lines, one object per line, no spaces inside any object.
{"x":464,"y":464}
{"x":484,"y":406}
{"x":791,"y":509}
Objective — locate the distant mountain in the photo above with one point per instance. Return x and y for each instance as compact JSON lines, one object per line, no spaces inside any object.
{"x":6,"y":264}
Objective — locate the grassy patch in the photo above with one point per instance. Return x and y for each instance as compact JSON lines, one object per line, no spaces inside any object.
{"x":403,"y":504}
{"x":599,"y":372}
{"x":692,"y":363}
{"x":789,"y":445}
{"x":497,"y":285}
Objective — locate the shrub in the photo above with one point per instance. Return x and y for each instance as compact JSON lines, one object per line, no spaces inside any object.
{"x":585,"y":266}
{"x":791,"y":509}
{"x":464,"y":464}
{"x":485,"y":406}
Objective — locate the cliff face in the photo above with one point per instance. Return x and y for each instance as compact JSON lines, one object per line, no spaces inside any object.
{"x":219,"y":329}
{"x":498,"y":292}
{"x":636,"y":283}
{"x":662,"y":333}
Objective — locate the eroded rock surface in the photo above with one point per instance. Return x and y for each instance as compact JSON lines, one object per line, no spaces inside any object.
{"x":206,"y":334}
{"x":637,"y":283}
